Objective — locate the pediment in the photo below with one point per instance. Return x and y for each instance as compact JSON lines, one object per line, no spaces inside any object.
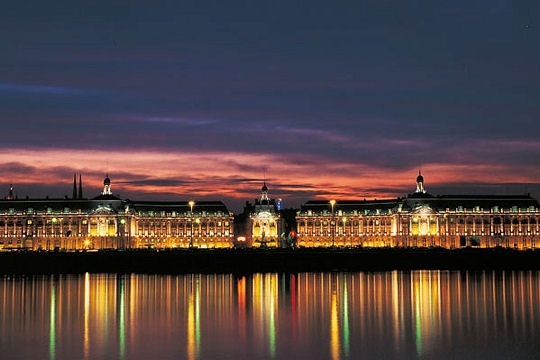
{"x":263,"y":215}
{"x":103,"y":210}
{"x":423,"y":210}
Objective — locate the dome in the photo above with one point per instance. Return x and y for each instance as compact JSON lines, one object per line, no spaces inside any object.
{"x":107,"y":181}
{"x":419,"y":178}
{"x":264,"y":188}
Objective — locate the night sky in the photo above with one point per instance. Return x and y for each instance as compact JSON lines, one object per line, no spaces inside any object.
{"x":322,"y":99}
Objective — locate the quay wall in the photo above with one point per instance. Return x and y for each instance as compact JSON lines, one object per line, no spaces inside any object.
{"x":268,"y":260}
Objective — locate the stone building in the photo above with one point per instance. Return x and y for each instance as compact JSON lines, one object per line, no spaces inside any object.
{"x":109,"y":222}
{"x":422,"y":220}
{"x":260,"y":224}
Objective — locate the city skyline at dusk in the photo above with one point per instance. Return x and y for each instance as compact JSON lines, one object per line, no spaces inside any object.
{"x":207,"y":100}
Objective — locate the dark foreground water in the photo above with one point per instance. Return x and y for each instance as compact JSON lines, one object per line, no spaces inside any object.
{"x":381,"y":315}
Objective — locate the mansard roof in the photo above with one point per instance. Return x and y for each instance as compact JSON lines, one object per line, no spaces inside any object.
{"x":106,"y":197}
{"x":440,"y":203}
{"x":347,"y":206}
{"x":110,"y":202}
{"x":37,"y":204}
{"x":53,"y":205}
{"x":485,"y":202}
{"x":179,"y":206}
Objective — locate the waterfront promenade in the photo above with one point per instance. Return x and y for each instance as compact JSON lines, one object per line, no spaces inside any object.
{"x":270,"y":260}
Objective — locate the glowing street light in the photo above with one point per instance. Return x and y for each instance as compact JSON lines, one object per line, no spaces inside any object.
{"x":332,"y":203}
{"x":344,"y":220}
{"x":191,"y":203}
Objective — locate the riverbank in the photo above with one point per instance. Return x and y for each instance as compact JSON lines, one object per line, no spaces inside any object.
{"x":251,"y":260}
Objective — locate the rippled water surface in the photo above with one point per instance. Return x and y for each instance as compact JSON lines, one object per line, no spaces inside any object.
{"x":386,"y":315}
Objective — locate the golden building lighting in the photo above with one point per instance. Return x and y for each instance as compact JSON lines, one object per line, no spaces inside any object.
{"x":419,"y":220}
{"x":109,"y":222}
{"x":422,"y":220}
{"x":260,"y":224}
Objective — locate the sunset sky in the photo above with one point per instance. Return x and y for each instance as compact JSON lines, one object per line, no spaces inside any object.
{"x":324,"y":99}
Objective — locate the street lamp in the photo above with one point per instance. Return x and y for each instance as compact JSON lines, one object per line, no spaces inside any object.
{"x":332,"y":203}
{"x":344,"y":220}
{"x":191,"y":203}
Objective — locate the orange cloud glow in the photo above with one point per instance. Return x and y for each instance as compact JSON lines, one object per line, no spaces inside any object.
{"x":233,"y":177}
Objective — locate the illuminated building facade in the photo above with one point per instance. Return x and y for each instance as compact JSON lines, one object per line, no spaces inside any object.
{"x":200,"y":224}
{"x":418,"y":220}
{"x":260,"y":224}
{"x":422,"y":220}
{"x":109,"y":222}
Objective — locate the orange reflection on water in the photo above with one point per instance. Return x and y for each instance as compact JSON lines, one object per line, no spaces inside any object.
{"x":242,"y":310}
{"x":193,"y":322}
{"x":334,"y":329}
{"x":86,"y":317}
{"x":419,"y":314}
{"x":426,"y":309}
{"x":264,"y":305}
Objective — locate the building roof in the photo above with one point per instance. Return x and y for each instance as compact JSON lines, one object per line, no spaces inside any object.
{"x":109,"y":201}
{"x":106,"y":197}
{"x":421,"y":198}
{"x":469,"y":202}
{"x":436,"y":203}
{"x":179,"y":206}
{"x":349,"y":206}
{"x":54,"y":205}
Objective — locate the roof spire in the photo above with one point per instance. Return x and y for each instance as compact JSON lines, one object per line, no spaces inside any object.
{"x":264,"y":189}
{"x":264,"y":192}
{"x":74,"y":185}
{"x":80,"y":187}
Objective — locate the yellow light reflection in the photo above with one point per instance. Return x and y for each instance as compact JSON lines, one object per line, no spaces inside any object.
{"x":334,"y":328}
{"x":265,"y":293}
{"x":272,"y":299}
{"x":86,"y":317}
{"x":193,"y":326}
{"x":121,"y":320}
{"x":241,"y":290}
{"x":198,"y":316}
{"x":397,"y":311}
{"x":416,"y":314}
{"x":425,"y":290}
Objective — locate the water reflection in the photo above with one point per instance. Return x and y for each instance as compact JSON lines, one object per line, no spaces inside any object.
{"x":52,"y":327}
{"x":420,"y":314}
{"x":194,"y":320}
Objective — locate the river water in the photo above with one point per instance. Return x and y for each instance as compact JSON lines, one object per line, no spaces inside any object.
{"x":360,"y":315}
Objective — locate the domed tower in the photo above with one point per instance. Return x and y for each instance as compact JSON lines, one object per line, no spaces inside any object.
{"x":10,"y":194}
{"x":106,"y":186}
{"x":420,"y":184}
